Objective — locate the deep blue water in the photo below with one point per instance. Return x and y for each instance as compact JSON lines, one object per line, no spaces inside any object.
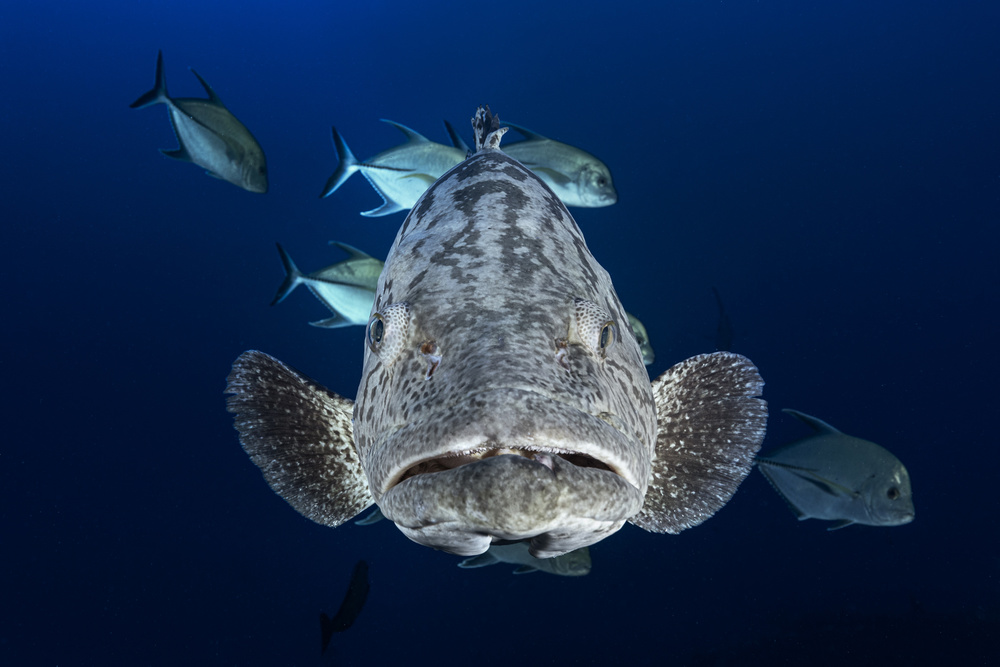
{"x":832,"y":168}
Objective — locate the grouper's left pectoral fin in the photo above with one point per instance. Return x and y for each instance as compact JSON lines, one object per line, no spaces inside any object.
{"x":710,"y":423}
{"x":299,"y":434}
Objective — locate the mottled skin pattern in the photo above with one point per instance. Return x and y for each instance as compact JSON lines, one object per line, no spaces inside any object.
{"x":500,"y":400}
{"x":490,"y":263}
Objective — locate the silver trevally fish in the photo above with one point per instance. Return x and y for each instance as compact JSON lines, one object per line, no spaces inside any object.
{"x":209,"y":135}
{"x":573,"y":564}
{"x":363,"y":270}
{"x":498,"y":400}
{"x":639,"y":329}
{"x":576,"y":176}
{"x":347,"y":288}
{"x":399,"y":175}
{"x":833,"y":476}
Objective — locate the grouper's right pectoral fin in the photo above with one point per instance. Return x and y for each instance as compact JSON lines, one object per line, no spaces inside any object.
{"x":710,"y":424}
{"x":300,"y":436}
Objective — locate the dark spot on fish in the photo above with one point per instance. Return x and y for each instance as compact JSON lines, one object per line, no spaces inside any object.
{"x":418,"y":213}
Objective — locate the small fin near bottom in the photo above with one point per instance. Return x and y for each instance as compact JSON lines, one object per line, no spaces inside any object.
{"x":300,"y":435}
{"x":426,"y":179}
{"x":372,"y":517}
{"x":389,"y":205}
{"x":710,"y":424}
{"x":482,"y":560}
{"x":335,"y":321}
{"x":525,"y":569}
{"x":765,"y":469}
{"x":180,"y":154}
{"x":557,"y":177}
{"x":842,"y":523}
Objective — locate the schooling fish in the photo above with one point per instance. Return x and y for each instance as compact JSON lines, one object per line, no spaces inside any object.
{"x":499,"y":400}
{"x":399,"y":175}
{"x":346,"y":288}
{"x":648,"y":356}
{"x":573,"y":564}
{"x":576,"y":176}
{"x":833,"y":476}
{"x":332,"y":287}
{"x":351,"y":606}
{"x":209,"y":135}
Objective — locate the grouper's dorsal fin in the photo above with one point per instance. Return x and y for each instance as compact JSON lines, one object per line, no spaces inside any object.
{"x":300,"y":436}
{"x":817,"y":425}
{"x":486,"y":128}
{"x":710,"y":424}
{"x":212,"y":97}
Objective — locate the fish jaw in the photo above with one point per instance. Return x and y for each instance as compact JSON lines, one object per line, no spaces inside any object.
{"x":508,"y":464}
{"x":510,"y":497}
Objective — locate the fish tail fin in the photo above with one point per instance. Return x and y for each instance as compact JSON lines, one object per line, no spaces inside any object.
{"x":710,"y":425}
{"x":348,"y":165}
{"x":326,"y":630}
{"x":718,"y":301}
{"x":293,"y":277}
{"x":159,"y":92}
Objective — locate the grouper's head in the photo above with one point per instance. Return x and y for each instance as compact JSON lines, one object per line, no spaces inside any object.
{"x":502,"y":396}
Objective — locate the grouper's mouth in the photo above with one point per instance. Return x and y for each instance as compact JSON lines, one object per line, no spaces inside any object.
{"x":509,"y":464}
{"x":542,"y":456}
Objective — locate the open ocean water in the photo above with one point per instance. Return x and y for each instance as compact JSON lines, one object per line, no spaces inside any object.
{"x":832,"y":168}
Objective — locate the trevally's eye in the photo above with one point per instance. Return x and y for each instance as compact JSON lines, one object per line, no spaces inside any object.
{"x":596,"y":330}
{"x":387,"y":329}
{"x":892,"y":493}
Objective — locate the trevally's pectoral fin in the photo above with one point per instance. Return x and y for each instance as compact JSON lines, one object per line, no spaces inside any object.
{"x":825,"y":485}
{"x":557,"y":176}
{"x":372,"y":517}
{"x":300,"y":435}
{"x":427,"y":179}
{"x":710,"y":424}
{"x":482,"y":560}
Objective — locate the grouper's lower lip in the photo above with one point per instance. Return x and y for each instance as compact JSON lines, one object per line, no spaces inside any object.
{"x":556,"y":505}
{"x":505,"y":422}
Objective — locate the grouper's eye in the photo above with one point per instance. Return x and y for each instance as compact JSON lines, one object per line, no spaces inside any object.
{"x":595,"y":328}
{"x":387,"y":331}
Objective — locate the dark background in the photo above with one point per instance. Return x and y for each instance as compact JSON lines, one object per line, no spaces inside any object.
{"x":832,"y":168}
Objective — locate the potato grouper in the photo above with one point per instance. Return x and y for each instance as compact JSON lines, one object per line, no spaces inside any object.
{"x":499,"y":400}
